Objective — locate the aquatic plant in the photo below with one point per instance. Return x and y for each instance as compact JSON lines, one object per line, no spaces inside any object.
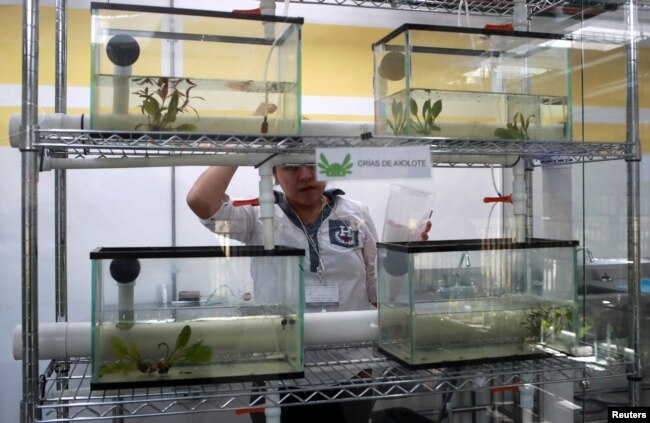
{"x":408,"y":119}
{"x":517,"y":130}
{"x":130,"y":358}
{"x":398,"y":124}
{"x":430,"y":112}
{"x":162,"y":101}
{"x":548,"y":320}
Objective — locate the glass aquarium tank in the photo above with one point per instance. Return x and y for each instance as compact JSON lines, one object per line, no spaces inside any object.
{"x":456,"y":301}
{"x":184,"y":315}
{"x":184,"y":70}
{"x":468,"y":83}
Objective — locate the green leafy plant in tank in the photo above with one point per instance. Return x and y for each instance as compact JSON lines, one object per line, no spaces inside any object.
{"x":517,"y":130}
{"x":162,"y":101}
{"x":130,"y":358}
{"x":430,"y":111}
{"x":547,"y":320}
{"x":408,"y":120}
{"x":398,"y":124}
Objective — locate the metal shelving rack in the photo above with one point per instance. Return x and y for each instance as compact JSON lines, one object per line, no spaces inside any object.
{"x":323,"y":382}
{"x":87,"y":142}
{"x":195,"y":149}
{"x":62,"y":392}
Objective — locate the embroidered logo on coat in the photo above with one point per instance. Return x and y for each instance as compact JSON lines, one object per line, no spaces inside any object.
{"x":342,"y":234}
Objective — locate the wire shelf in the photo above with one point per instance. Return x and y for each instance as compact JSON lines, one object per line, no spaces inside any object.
{"x":345,"y":373}
{"x":476,"y":7}
{"x":195,"y":148}
{"x":495,"y":8}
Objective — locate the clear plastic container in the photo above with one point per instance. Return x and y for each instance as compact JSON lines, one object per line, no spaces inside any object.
{"x":407,"y":211}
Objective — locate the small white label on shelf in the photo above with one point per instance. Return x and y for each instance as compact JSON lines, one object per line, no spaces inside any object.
{"x":373,"y":163}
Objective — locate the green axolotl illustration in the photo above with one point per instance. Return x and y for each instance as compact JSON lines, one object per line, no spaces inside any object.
{"x":335,"y":169}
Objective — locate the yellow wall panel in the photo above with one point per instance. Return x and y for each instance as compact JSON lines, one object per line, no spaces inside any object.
{"x":78,"y":46}
{"x":603,"y":80}
{"x":11,"y":69}
{"x":337,"y":60}
{"x":11,"y":44}
{"x":644,"y":77}
{"x":599,"y":132}
{"x":644,"y":130}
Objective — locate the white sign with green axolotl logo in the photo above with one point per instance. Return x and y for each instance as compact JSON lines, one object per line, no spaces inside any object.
{"x":373,"y":163}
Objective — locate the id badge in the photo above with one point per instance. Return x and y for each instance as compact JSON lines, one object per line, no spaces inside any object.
{"x":322,"y":294}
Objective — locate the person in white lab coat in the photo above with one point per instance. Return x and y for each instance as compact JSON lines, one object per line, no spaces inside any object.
{"x":337,"y":234}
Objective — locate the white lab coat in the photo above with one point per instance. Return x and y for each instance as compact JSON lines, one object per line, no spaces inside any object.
{"x":346,"y":244}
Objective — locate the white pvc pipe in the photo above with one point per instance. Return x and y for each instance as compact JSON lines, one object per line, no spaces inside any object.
{"x":60,"y":340}
{"x":267,"y":7}
{"x":520,"y":16}
{"x":267,"y":204}
{"x":519,"y":200}
{"x":341,"y":327}
{"x":483,"y":396}
{"x":526,"y":402}
{"x":125,"y":305}
{"x":247,"y":159}
{"x":57,"y":340}
{"x":272,"y":413}
{"x":45,"y":121}
{"x":122,"y":75}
